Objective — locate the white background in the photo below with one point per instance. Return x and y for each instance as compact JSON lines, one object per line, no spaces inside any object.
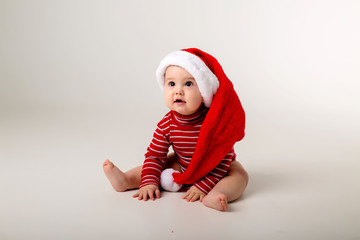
{"x":77,"y":86}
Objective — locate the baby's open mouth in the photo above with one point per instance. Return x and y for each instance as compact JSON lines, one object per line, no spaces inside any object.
{"x":179,"y":101}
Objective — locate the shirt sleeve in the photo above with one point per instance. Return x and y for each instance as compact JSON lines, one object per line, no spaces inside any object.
{"x":220,"y":171}
{"x":155,"y":157}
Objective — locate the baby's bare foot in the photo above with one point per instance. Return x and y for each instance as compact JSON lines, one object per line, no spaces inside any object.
{"x":216,"y":201}
{"x":116,"y":177}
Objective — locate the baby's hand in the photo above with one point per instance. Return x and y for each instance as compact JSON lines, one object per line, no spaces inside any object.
{"x":193,"y":194}
{"x":151,"y":191}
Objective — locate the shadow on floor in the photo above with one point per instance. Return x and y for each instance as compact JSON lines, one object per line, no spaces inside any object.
{"x":261,"y":182}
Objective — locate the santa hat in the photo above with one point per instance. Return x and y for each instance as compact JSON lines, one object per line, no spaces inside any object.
{"x":224,"y":123}
{"x":193,"y":64}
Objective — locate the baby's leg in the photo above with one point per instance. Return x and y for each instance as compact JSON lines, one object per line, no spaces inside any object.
{"x":131,"y":179}
{"x":122,"y":181}
{"x":228,"y":189}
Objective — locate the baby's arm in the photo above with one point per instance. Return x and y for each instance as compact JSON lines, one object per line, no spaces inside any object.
{"x":151,"y":191}
{"x":156,"y":157}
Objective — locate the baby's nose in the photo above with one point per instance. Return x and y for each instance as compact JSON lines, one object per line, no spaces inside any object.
{"x":179,"y":90}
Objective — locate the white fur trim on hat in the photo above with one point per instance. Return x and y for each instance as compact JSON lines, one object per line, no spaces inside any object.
{"x":204,"y":77}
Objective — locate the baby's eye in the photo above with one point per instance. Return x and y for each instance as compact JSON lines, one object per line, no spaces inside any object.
{"x":171,"y":84}
{"x":188,"y":84}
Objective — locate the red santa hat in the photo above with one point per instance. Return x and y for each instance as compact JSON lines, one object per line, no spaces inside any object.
{"x":224,"y":123}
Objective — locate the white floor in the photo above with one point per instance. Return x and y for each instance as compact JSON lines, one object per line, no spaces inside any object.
{"x":52,"y":185}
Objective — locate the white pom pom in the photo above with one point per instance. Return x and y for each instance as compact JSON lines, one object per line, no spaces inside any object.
{"x":167,"y":180}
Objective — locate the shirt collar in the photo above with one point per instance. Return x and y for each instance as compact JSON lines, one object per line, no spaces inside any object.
{"x":191,"y":119}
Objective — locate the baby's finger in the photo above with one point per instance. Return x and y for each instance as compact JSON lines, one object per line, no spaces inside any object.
{"x":140,"y":196}
{"x":145,"y":196}
{"x":191,"y":195}
{"x":185,"y":195}
{"x":157,"y":193}
{"x":136,"y":194}
{"x":195,"y":197}
{"x":151,"y":194}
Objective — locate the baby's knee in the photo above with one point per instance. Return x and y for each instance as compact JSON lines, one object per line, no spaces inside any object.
{"x":236,"y":169}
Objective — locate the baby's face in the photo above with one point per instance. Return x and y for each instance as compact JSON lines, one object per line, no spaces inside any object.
{"x":181,"y":92}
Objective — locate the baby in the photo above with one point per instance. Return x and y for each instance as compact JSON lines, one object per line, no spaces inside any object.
{"x":205,"y":120}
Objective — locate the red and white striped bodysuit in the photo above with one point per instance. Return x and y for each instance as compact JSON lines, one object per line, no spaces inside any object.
{"x":181,"y":132}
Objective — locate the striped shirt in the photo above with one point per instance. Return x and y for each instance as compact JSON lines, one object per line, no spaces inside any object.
{"x":181,"y":132}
